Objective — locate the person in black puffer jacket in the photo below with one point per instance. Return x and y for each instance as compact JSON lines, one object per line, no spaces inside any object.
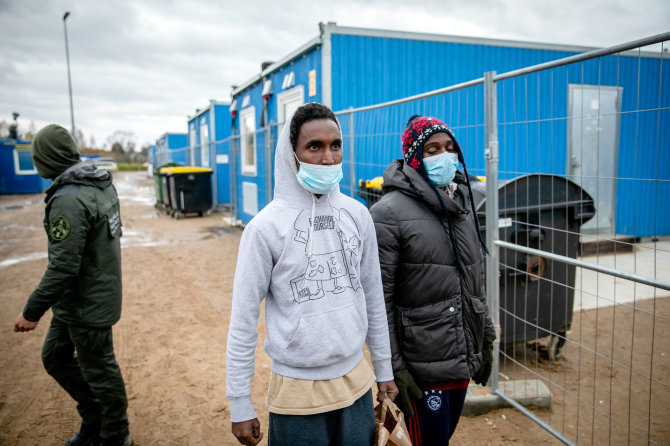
{"x":432,"y":263}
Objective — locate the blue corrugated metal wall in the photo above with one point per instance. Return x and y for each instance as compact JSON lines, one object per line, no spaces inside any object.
{"x":371,"y":70}
{"x":220,"y":132}
{"x":534,"y":122}
{"x":172,"y":147}
{"x":533,"y":113}
{"x":176,"y":144}
{"x":377,"y":139}
{"x":11,"y":182}
{"x":301,"y":66}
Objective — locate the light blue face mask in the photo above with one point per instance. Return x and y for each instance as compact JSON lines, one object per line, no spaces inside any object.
{"x":441,"y":168}
{"x":319,"y":179}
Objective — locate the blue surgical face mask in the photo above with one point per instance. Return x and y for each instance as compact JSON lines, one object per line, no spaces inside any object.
{"x":317,"y":178}
{"x":441,"y":168}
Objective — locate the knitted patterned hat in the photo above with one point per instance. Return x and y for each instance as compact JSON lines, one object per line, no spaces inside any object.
{"x":419,"y":129}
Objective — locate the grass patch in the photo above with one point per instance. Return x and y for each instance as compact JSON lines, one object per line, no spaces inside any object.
{"x":130,"y":166}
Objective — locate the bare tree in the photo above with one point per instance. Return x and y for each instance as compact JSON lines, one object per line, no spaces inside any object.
{"x":122,"y":144}
{"x":4,"y":129}
{"x":79,"y":139}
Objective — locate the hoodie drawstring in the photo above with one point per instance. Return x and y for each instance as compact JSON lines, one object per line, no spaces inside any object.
{"x":474,"y":212}
{"x":310,"y":234}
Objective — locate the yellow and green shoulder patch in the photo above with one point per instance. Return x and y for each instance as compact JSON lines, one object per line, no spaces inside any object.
{"x":59,"y":228}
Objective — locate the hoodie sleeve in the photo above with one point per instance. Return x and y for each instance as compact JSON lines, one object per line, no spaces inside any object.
{"x":388,"y":239}
{"x":67,"y":229}
{"x":250,"y":287}
{"x":378,"y":334}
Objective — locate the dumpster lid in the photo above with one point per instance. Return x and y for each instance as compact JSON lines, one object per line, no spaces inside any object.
{"x":157,"y":169}
{"x":537,"y":191}
{"x":184,"y":169}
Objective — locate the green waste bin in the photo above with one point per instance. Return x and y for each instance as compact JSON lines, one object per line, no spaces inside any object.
{"x":158,"y":183}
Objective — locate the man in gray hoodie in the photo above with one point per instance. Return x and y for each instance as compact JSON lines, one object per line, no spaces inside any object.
{"x":82,"y":287}
{"x":311,"y":254}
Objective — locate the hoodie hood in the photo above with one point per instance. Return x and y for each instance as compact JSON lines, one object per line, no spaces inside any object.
{"x":287,"y":187}
{"x":53,"y":151}
{"x":83,"y":173}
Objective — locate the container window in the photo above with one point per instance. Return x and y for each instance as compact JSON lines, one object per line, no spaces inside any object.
{"x":248,"y":140}
{"x":288,"y":101}
{"x":23,"y":162}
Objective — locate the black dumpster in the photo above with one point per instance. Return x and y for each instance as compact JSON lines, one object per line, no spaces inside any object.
{"x":543,"y":212}
{"x":158,"y":184}
{"x":190,"y":190}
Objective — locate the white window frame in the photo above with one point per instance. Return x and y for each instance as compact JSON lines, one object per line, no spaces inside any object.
{"x":248,"y":168}
{"x":17,"y":166}
{"x":204,"y":143}
{"x":296,"y":94}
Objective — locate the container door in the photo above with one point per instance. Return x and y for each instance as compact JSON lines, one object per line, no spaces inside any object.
{"x":593,"y":146}
{"x":204,"y":143}
{"x":191,"y":144}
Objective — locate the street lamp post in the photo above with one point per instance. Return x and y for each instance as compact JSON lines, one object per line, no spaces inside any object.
{"x":69,"y":80}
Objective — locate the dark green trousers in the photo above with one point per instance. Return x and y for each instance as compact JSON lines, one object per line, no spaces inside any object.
{"x":92,"y":377}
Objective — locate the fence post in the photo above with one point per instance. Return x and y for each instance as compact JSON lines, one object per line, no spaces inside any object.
{"x":211,"y":147}
{"x":268,"y":158}
{"x":352,"y":170}
{"x":233,"y":176}
{"x":492,"y":261}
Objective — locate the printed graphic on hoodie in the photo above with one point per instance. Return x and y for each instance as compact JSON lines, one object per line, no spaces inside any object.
{"x":326,"y":272}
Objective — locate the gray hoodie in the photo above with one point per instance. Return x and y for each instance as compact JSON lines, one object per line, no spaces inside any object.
{"x":315,"y":262}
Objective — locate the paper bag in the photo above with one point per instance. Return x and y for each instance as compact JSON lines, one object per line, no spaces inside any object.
{"x":390,"y":428}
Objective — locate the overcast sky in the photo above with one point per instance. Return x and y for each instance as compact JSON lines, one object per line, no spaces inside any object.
{"x":145,"y":65}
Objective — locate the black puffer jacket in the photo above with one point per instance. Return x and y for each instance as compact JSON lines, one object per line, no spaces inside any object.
{"x":438,"y":316}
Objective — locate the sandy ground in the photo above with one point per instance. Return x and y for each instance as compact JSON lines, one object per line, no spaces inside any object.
{"x":171,"y":344}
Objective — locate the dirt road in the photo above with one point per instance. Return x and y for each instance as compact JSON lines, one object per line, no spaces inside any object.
{"x":171,"y":339}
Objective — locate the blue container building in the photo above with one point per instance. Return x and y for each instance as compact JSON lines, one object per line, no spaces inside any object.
{"x":543,"y":123}
{"x":209,"y":132}
{"x":171,"y":147}
{"x":17,"y":171}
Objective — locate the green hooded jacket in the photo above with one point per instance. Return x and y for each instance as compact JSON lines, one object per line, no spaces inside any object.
{"x":82,"y":283}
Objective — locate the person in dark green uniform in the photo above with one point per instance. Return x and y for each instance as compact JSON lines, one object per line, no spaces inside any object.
{"x":82,"y":286}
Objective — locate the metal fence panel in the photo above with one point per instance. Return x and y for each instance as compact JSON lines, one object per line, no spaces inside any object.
{"x":599,"y":123}
{"x":578,"y":151}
